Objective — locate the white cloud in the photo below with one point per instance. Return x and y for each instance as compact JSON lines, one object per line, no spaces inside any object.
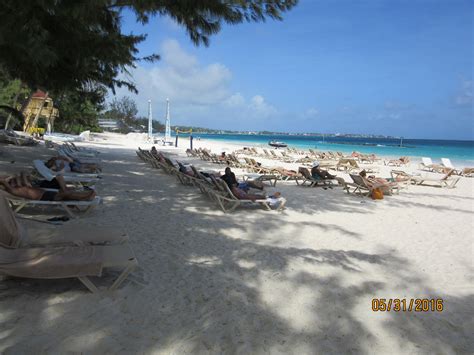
{"x":260,"y":107}
{"x":466,"y":97}
{"x":311,"y":113}
{"x":199,"y":94}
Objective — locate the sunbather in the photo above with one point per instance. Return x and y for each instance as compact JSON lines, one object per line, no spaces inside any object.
{"x":378,"y":182}
{"x":318,"y":174}
{"x":66,"y":165}
{"x":274,"y":200}
{"x":21,"y":187}
{"x":185,"y":169}
{"x":231,"y":181}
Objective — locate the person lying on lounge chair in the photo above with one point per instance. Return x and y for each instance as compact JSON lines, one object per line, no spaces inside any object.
{"x":286,"y":172}
{"x":377,"y":182}
{"x":274,"y":200}
{"x":22,"y":188}
{"x":24,"y":179}
{"x":66,"y":165}
{"x":185,"y":169}
{"x":231,"y":181}
{"x":319,"y":174}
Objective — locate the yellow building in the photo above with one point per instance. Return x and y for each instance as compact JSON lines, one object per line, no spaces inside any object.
{"x":39,"y":114}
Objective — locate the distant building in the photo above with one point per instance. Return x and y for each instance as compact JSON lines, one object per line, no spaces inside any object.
{"x":109,"y":124}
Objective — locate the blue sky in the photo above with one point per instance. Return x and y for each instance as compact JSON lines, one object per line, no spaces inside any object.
{"x":402,"y":68}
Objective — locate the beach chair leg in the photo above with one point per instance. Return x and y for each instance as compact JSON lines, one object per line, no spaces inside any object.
{"x":88,"y":209}
{"x":68,"y":210}
{"x":20,"y":207}
{"x":89,"y":284}
{"x":131,"y":265}
{"x":220,"y":203}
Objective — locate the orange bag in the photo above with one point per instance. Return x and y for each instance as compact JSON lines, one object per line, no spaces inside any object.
{"x":377,"y":194}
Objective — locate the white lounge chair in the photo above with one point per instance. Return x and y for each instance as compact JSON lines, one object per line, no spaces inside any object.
{"x":78,"y":157}
{"x":18,"y":203}
{"x":49,"y":175}
{"x":57,"y":261}
{"x":428,"y":165}
{"x":447,"y":163}
{"x":446,"y":181}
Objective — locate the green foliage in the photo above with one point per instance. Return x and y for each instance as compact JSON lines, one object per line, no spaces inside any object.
{"x":65,"y":45}
{"x":79,"y":110}
{"x":123,"y":109}
{"x":142,"y":123}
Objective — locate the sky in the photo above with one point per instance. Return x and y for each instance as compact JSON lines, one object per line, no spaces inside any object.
{"x":398,"y":67}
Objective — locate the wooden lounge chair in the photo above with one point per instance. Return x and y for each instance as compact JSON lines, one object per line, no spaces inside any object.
{"x":467,"y":172}
{"x":79,"y":158}
{"x":228,"y":202}
{"x":65,"y":259}
{"x":308,"y":179}
{"x":397,"y":162}
{"x":271,"y":178}
{"x":283,"y":175}
{"x":361,"y":187}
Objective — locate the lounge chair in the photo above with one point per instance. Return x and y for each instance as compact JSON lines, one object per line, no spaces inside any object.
{"x":281,"y":172}
{"x":18,"y":203}
{"x":362,"y":188}
{"x":397,"y":162}
{"x":74,"y":147}
{"x":446,"y":181}
{"x":312,"y":182}
{"x":77,"y":178}
{"x":427,"y":165}
{"x":11,"y":137}
{"x":271,"y":178}
{"x":467,"y":172}
{"x":58,"y":261}
{"x":350,"y":164}
{"x":446,"y":162}
{"x":205,"y":185}
{"x":228,"y":202}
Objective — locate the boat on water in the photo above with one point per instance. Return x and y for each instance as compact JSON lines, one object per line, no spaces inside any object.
{"x":277,"y":144}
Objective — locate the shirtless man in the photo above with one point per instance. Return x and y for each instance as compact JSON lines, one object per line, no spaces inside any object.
{"x":21,"y":186}
{"x":66,"y":165}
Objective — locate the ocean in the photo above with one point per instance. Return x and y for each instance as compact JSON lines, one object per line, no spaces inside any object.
{"x":460,"y":152}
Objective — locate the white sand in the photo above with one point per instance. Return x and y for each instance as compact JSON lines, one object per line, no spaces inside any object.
{"x":252,"y":281}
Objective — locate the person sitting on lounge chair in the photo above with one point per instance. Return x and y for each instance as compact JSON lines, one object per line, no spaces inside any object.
{"x":21,"y":187}
{"x":231,"y":181}
{"x":24,"y":179}
{"x":223,"y":157}
{"x":318,"y":174}
{"x":66,"y":165}
{"x":158,"y":155}
{"x":377,"y":182}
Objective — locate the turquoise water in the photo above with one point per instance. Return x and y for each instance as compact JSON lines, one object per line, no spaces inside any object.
{"x":460,"y":152}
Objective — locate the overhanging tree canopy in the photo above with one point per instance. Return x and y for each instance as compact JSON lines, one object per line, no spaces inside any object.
{"x":67,"y":45}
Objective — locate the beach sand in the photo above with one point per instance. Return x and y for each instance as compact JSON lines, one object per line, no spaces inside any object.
{"x":252,"y":281}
